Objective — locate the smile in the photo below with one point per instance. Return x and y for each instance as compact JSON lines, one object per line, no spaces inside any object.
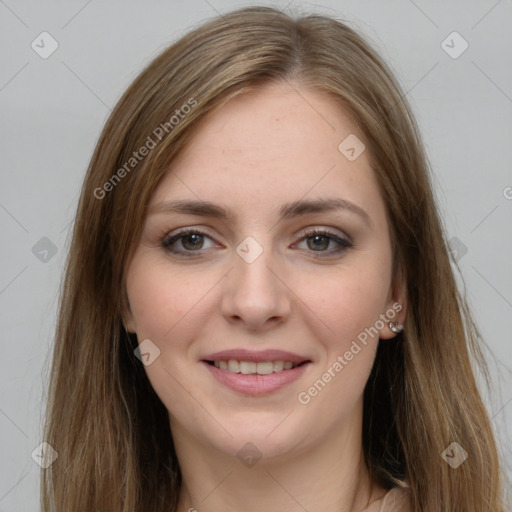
{"x":244,"y":376}
{"x":251,"y":367}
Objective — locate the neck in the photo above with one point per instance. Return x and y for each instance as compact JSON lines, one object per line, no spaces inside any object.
{"x":331,"y":475}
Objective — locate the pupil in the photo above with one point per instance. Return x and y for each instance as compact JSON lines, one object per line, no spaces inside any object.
{"x":197,"y":240}
{"x":318,"y":241}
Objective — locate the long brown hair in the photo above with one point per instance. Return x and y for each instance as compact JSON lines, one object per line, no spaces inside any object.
{"x":110,"y":429}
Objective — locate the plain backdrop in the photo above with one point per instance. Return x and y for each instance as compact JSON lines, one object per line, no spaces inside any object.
{"x":53,"y":108}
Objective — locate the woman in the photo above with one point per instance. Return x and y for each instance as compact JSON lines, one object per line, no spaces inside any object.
{"x":259,"y":311}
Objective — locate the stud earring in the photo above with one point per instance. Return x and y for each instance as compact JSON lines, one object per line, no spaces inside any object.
{"x":396,"y":327}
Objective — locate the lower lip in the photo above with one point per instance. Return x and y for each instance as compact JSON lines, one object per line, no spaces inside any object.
{"x":256,"y":384}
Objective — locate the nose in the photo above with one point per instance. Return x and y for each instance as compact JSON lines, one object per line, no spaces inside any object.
{"x":255,"y":294}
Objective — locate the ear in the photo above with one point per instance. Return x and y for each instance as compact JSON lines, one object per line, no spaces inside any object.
{"x":396,"y":307}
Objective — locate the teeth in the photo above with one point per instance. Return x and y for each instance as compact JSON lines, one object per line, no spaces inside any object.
{"x":278,"y":366}
{"x":250,"y":367}
{"x":233,"y":366}
{"x":265,"y":368}
{"x":247,"y":367}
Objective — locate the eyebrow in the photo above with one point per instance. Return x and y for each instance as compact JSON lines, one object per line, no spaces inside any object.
{"x":287,"y":210}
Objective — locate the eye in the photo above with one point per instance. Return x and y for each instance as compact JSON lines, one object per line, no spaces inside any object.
{"x":191,"y":240}
{"x":318,"y":240}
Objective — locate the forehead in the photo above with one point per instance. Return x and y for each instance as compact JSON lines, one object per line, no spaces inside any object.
{"x":274,"y":121}
{"x":271,"y":146}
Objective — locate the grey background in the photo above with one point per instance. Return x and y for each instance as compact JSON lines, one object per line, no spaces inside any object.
{"x":53,"y":109}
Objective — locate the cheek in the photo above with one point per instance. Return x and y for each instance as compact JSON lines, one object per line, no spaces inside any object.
{"x":163,"y":302}
{"x":348,"y":305}
{"x":346,"y":301}
{"x":160,"y":297}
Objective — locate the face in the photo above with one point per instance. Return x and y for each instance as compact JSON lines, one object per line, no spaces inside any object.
{"x":271,"y":274}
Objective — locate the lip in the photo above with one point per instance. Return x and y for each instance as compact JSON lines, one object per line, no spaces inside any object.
{"x":254,"y":384}
{"x":255,"y":356}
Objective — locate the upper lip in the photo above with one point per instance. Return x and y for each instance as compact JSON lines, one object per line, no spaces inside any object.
{"x":241,"y":354}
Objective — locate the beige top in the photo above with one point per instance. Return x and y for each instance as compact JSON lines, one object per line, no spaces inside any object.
{"x":396,"y":499}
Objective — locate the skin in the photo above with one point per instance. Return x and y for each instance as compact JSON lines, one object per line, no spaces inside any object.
{"x":260,"y":150}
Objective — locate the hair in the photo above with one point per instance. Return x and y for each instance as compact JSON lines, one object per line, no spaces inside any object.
{"x":110,"y":429}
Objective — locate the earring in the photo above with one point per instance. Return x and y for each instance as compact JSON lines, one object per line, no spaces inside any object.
{"x":396,"y":327}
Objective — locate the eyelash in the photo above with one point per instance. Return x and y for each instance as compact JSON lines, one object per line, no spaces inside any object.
{"x":343,"y":243}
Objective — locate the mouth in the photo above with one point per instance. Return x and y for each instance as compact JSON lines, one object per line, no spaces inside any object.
{"x":254,"y":367}
{"x":255,"y":372}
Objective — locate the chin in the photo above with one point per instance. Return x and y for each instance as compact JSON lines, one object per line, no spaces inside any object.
{"x":265,"y":439}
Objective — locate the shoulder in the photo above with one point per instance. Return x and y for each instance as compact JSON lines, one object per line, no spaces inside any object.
{"x":397,"y":499}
